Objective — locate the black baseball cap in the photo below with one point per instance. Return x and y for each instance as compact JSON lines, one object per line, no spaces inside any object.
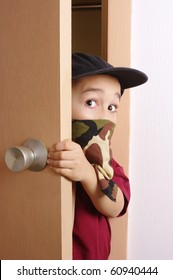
{"x":84,"y":64}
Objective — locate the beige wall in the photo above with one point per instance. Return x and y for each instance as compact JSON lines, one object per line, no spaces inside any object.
{"x":151,"y":145}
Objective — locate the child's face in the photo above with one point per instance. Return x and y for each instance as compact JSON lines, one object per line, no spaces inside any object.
{"x":96,"y":97}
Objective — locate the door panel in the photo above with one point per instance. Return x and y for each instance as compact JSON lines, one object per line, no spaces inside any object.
{"x":119,"y":34}
{"x":35,"y":90}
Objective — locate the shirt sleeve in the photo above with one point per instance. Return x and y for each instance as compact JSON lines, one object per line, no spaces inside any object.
{"x":122,"y":181}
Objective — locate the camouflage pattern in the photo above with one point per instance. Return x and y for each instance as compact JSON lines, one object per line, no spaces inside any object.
{"x":94,"y":137}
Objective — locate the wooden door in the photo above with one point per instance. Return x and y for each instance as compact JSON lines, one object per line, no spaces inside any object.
{"x":35,"y":66}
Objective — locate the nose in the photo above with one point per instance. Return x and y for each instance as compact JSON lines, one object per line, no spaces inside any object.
{"x":105,"y":114}
{"x":108,"y":115}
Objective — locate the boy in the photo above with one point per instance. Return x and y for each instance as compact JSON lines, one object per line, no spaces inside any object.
{"x":102,"y":188}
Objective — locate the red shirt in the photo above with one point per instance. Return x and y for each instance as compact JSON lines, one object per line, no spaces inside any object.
{"x":91,"y":231}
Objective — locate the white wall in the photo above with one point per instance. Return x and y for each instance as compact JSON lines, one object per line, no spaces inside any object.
{"x":151,"y":142}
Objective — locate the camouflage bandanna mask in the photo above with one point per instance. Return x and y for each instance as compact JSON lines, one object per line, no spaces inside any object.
{"x":94,"y":138}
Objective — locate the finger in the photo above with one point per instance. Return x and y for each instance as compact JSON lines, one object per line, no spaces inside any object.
{"x":62,"y":146}
{"x":60,"y":164}
{"x":69,"y":145}
{"x":54,"y":155}
{"x":66,"y":144}
{"x":62,"y":172}
{"x":50,"y":149}
{"x":56,"y":147}
{"x":62,"y":155}
{"x":53,"y":148}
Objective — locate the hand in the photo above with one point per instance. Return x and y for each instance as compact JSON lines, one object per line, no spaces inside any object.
{"x":67,"y":159}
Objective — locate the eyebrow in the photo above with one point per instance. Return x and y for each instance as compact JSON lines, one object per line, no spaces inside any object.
{"x":118,"y":94}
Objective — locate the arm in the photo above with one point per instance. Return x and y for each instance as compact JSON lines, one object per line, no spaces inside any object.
{"x":123,"y":184}
{"x":102,"y":203}
{"x":67,"y":159}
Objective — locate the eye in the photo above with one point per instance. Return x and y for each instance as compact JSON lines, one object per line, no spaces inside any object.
{"x":91,"y":103}
{"x":112,"y":108}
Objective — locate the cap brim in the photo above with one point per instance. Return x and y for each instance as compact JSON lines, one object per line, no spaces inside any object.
{"x":128,"y":77}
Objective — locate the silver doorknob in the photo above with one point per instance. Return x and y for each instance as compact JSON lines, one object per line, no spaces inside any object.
{"x":32,"y":155}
